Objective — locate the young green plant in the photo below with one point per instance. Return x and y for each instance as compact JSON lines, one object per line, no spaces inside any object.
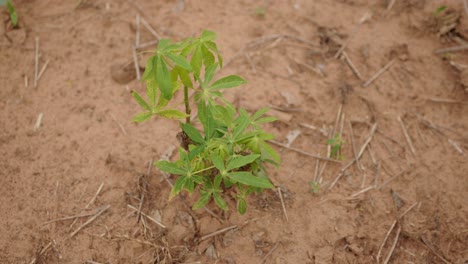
{"x":223,"y":154}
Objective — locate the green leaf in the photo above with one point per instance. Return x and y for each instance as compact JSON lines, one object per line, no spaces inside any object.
{"x":163,"y":78}
{"x":220,"y":202}
{"x":440,"y":9}
{"x":178,"y":185}
{"x":228,"y":82}
{"x":192,"y":133}
{"x":260,"y":112}
{"x":163,"y":43}
{"x":185,"y":78}
{"x":151,"y":91}
{"x":149,"y":69}
{"x":171,"y":114}
{"x":217,"y":162}
{"x":204,"y":199}
{"x":241,"y":206}
{"x":240,"y":161}
{"x":209,"y":73}
{"x":196,"y":61}
{"x":217,"y":181}
{"x":212,"y":46}
{"x":208,"y":58}
{"x":268,"y":152}
{"x":243,"y":122}
{"x":208,"y":35}
{"x":169,"y":167}
{"x":12,"y":12}
{"x":249,"y":179}
{"x":142,"y":117}
{"x":141,"y":101}
{"x":179,"y":61}
{"x":266,"y":119}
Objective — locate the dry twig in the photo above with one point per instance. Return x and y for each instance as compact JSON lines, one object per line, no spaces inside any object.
{"x":363,"y":19}
{"x":147,"y":216}
{"x":303,"y":152}
{"x":36,"y":62}
{"x":397,"y":236}
{"x":205,"y":237}
{"x":282,"y":203}
{"x":385,"y":240}
{"x":269,"y":253}
{"x":377,"y":74}
{"x":452,"y":49}
{"x":405,"y":132}
{"x":89,"y":221}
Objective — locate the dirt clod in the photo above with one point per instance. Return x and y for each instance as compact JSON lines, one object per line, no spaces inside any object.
{"x":123,"y":73}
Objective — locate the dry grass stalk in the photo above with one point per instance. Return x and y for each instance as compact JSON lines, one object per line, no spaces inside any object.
{"x":282,"y":203}
{"x":36,"y":62}
{"x":353,"y":146}
{"x":377,"y":74}
{"x":377,"y":174}
{"x":452,"y":49}
{"x":352,"y":66}
{"x":446,"y":101}
{"x":135,"y":62}
{"x":205,"y":237}
{"x":385,"y":240}
{"x":363,"y":191}
{"x":405,"y":132}
{"x":38,"y":121}
{"x":122,"y":128}
{"x":363,"y":19}
{"x":150,"y":28}
{"x":269,"y":253}
{"x":303,"y":152}
{"x":42,"y":70}
{"x":147,"y":216}
{"x":428,"y":245}
{"x":89,"y":221}
{"x":390,"y":253}
{"x":89,"y":204}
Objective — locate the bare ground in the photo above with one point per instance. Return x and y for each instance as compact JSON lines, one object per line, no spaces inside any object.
{"x":417,"y":195}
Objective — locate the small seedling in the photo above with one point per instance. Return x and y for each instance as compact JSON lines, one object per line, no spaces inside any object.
{"x":336,"y":142}
{"x":228,"y":154}
{"x":315,"y":186}
{"x":12,"y":12}
{"x":439,"y":10}
{"x":260,"y":12}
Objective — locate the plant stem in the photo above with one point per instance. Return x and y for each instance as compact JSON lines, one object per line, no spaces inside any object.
{"x":187,"y":105}
{"x":205,"y":169}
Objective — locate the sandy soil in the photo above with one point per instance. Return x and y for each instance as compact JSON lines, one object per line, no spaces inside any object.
{"x":86,"y":145}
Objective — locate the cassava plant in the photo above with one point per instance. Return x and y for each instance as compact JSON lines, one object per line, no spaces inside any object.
{"x":223,"y":153}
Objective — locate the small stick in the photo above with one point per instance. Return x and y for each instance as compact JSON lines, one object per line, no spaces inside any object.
{"x":385,"y":240}
{"x":36,"y":62}
{"x":135,"y":61}
{"x":44,"y":250}
{"x":363,"y":191}
{"x":249,"y":60}
{"x":89,"y":204}
{"x":353,"y":146}
{"x":42,"y":70}
{"x":147,"y":216}
{"x":89,"y":221}
{"x":363,"y":19}
{"x":150,"y":28}
{"x":377,"y":174}
{"x":282,"y":203}
{"x":269,"y":253}
{"x":391,"y":179}
{"x":456,"y":146}
{"x":397,"y":236}
{"x":351,"y":65}
{"x":26,"y":81}
{"x":68,"y":218}
{"x":452,"y":49}
{"x":147,"y":44}
{"x":368,"y":140}
{"x":407,"y":210}
{"x":390,"y":6}
{"x":317,"y":161}
{"x":218,"y":232}
{"x":303,"y":152}
{"x":433,"y":251}
{"x":120,"y":125}
{"x":377,"y":74}
{"x":446,"y":101}
{"x":38,"y":121}
{"x":137,"y":34}
{"x":405,"y":132}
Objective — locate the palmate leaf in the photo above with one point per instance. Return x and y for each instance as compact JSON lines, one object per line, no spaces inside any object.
{"x":240,"y":161}
{"x":228,"y":82}
{"x":170,"y":167}
{"x":171,"y":114}
{"x":150,"y":69}
{"x":151,"y":91}
{"x":220,"y":202}
{"x":141,"y":101}
{"x":196,"y":61}
{"x":163,"y":78}
{"x":208,"y":35}
{"x":204,"y":199}
{"x":142,"y":117}
{"x":212,"y":46}
{"x":179,"y":61}
{"x":249,"y":179}
{"x":208,"y":58}
{"x":192,"y":133}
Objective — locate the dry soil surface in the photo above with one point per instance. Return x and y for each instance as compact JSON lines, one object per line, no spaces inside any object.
{"x":398,"y":195}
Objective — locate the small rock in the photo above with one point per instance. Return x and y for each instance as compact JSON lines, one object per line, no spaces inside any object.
{"x":123,"y":73}
{"x":210,"y":252}
{"x":17,"y":36}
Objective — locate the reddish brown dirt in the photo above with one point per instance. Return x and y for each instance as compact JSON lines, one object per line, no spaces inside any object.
{"x":86,"y":138}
